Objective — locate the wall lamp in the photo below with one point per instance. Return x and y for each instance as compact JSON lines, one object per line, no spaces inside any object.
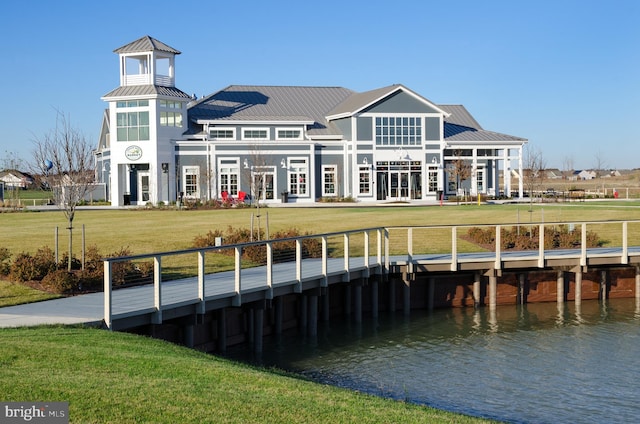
{"x":165,"y":167}
{"x":283,"y":164}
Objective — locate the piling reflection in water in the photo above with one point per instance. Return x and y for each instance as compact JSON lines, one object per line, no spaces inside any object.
{"x":542,"y":362}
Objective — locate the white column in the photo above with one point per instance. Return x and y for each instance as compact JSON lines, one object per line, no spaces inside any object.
{"x":520,"y":182}
{"x":506,"y":172}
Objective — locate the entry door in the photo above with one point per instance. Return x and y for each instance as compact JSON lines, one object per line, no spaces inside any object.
{"x":143,"y":188}
{"x":382,"y":186}
{"x":399,"y":186}
{"x":264,"y":185}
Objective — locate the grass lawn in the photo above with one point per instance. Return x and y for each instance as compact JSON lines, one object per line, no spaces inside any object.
{"x":146,"y":231}
{"x":110,"y":377}
{"x":16,"y":294}
{"x":117,"y":377}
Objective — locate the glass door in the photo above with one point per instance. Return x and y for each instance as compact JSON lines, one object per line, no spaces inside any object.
{"x":143,"y":185}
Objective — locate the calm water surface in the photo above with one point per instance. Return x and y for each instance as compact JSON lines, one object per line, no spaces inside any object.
{"x":538,"y":363}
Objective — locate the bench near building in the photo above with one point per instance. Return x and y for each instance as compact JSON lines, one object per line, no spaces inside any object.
{"x":287,"y":143}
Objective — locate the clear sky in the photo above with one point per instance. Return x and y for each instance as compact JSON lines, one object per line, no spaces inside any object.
{"x":565,"y":74}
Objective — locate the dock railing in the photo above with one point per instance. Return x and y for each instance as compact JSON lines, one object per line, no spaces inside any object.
{"x":359,"y":249}
{"x":226,"y":267}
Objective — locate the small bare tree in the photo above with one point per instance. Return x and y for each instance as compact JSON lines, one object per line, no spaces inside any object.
{"x":460,"y":169}
{"x":255,"y":172}
{"x":534,"y":172}
{"x":62,"y":159}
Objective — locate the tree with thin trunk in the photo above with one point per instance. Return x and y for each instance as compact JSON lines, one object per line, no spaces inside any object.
{"x":62,"y":159}
{"x":460,"y":169}
{"x":534,"y":171}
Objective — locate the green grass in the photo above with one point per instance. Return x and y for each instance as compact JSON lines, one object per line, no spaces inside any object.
{"x":114,"y":377}
{"x":16,"y":294}
{"x":146,"y":231}
{"x":110,"y":377}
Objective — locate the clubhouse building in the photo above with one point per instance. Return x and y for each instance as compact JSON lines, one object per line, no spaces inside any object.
{"x":289,"y":143}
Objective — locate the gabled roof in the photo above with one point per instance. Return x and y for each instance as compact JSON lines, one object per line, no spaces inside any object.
{"x":306,"y":105}
{"x":360,"y":101}
{"x":145,"y":44}
{"x":146,"y":90}
{"x":460,"y":126}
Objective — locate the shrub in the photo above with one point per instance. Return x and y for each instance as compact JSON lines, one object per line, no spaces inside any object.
{"x":29,"y":268}
{"x":207,"y":240}
{"x":5,"y":265}
{"x":60,"y":281}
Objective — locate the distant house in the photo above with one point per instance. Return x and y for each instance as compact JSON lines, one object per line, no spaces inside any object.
{"x":12,"y":179}
{"x":553,"y":174}
{"x":583,"y":175}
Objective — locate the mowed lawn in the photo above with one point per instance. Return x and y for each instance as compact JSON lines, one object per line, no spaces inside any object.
{"x":114,"y":377}
{"x":147,"y":231}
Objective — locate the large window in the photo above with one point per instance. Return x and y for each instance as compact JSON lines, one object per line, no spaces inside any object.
{"x":191,"y":182}
{"x":364,"y":176}
{"x":171,"y":118}
{"x":329,"y":178}
{"x":229,"y":176}
{"x":133,"y":126}
{"x":398,"y":131}
{"x":298,"y":174}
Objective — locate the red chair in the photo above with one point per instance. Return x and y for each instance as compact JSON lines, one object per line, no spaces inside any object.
{"x":241,"y":196}
{"x":225,"y":196}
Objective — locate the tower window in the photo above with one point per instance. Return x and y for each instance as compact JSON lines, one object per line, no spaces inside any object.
{"x":133,"y":126}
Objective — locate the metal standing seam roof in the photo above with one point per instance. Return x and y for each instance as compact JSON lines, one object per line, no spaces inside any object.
{"x":145,"y":44}
{"x":359,"y":101}
{"x":273,"y":103}
{"x":146,"y":90}
{"x":293,"y":103}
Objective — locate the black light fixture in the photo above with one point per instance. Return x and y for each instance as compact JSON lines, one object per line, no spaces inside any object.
{"x":165,"y":167}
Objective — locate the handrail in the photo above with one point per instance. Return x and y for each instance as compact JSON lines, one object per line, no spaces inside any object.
{"x":382,"y":258}
{"x":238,"y":249}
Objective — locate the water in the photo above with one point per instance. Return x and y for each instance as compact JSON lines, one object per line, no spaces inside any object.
{"x":538,"y":363}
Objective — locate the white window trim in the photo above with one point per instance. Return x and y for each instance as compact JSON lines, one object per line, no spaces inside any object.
{"x":290,"y":164}
{"x":233,"y":130}
{"x":231,"y":162}
{"x":191,"y":170}
{"x":367,"y":169}
{"x":300,"y":137}
{"x":334,"y":171}
{"x":255,"y":129}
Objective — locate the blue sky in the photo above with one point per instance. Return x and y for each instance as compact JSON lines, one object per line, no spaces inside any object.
{"x":564,"y":74}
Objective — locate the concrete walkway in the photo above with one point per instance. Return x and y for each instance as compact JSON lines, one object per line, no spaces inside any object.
{"x":84,"y":309}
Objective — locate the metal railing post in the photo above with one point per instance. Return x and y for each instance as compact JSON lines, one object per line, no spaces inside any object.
{"x":498,"y":263}
{"x":201,"y":294}
{"x":583,"y":245}
{"x":410,"y":249}
{"x":108,"y":302}
{"x":157,"y":289}
{"x":541,"y":246}
{"x":298,"y":288}
{"x":325,"y":255}
{"x":237,"y":300}
{"x":625,"y":244}
{"x":269,"y":294}
{"x":346,"y":277}
{"x":454,"y":248}
{"x":366,"y":254}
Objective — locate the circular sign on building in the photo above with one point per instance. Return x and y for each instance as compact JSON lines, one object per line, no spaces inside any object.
{"x":133,"y":153}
